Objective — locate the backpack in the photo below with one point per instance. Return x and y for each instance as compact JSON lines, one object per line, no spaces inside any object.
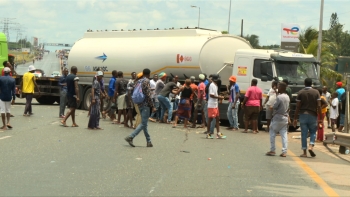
{"x":137,"y":96}
{"x":207,"y":89}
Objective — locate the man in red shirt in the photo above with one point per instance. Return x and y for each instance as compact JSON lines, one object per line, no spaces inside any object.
{"x":252,"y":105}
{"x":199,"y":105}
{"x":6,"y":64}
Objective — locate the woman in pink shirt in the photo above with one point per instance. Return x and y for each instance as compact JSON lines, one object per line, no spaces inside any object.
{"x":252,"y":105}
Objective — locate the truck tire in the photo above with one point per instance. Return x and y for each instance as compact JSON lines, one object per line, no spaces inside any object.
{"x":81,"y":96}
{"x":57,"y":100}
{"x":86,"y":101}
{"x":46,"y":100}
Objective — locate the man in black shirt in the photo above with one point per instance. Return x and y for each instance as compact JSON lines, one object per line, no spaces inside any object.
{"x":72,"y":95}
{"x":120,"y":92}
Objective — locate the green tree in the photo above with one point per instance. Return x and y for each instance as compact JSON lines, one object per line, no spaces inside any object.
{"x":253,"y":40}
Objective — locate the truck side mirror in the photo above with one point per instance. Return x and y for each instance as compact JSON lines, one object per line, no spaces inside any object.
{"x":264,"y":67}
{"x":264,"y":78}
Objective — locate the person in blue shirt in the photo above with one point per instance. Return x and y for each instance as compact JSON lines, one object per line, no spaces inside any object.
{"x":63,"y":94}
{"x":7,"y":97}
{"x":111,"y":107}
{"x":232,"y":111}
{"x":340,"y":90}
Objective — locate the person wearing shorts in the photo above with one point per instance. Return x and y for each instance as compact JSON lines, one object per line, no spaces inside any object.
{"x":213,"y":108}
{"x":72,"y":95}
{"x":252,"y":105}
{"x":8,"y":89}
{"x":120,"y":92}
{"x":334,"y":112}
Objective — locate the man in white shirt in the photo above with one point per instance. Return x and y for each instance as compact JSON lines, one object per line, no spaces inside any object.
{"x":213,"y":108}
{"x":269,"y":102}
{"x":173,"y":96}
{"x":327,"y":95}
{"x":153,"y":84}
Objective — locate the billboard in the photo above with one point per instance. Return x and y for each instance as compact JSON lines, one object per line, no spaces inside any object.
{"x":35,"y":41}
{"x":25,"y":50}
{"x":290,"y":37}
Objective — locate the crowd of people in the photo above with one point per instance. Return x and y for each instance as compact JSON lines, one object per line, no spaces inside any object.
{"x":162,"y":99}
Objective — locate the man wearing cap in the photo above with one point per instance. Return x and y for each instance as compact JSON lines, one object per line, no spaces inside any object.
{"x":159,"y":87}
{"x":27,"y":87}
{"x":213,"y":108}
{"x":232,"y":110}
{"x":94,"y":120}
{"x":7,"y":89}
{"x":6,"y":64}
{"x":340,"y":90}
{"x":199,"y":106}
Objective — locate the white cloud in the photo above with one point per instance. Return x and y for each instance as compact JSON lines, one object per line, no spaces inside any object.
{"x":156,"y":15}
{"x":172,"y":5}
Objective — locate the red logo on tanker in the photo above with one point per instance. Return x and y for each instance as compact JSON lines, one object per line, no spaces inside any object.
{"x":181,"y":59}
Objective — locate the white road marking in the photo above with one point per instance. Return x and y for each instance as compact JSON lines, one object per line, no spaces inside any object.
{"x":157,"y":183}
{"x":1,"y":138}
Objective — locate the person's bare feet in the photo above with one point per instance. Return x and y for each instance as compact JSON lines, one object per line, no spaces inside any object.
{"x":3,"y":128}
{"x":75,"y":125}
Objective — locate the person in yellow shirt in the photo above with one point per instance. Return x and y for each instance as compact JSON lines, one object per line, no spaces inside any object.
{"x":27,"y":86}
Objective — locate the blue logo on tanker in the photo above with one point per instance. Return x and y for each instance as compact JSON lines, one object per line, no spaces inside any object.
{"x":102,"y":57}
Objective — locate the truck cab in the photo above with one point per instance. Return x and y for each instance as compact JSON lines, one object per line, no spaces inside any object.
{"x":3,"y":50}
{"x":272,"y":65}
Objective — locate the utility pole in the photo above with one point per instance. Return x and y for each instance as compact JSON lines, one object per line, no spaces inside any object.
{"x":7,"y":22}
{"x":242,"y":29}
{"x":229,"y":17}
{"x":320,"y":37}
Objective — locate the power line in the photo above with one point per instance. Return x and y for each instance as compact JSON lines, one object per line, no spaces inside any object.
{"x":7,"y":22}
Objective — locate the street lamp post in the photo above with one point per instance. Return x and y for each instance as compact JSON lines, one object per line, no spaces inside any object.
{"x":199,"y":13}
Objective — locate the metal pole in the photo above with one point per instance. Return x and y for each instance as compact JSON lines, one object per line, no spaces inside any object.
{"x":242,"y":29}
{"x":199,"y":15}
{"x":320,"y":37}
{"x":229,"y":17}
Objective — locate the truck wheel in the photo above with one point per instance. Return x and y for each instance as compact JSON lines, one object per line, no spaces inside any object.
{"x":57,"y":100}
{"x":86,"y":101}
{"x":46,"y":100}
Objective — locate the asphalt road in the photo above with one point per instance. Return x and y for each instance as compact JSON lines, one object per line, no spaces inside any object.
{"x":41,"y":158}
{"x":48,"y":64}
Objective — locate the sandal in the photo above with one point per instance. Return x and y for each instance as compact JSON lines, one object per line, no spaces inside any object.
{"x":270,"y":153}
{"x":283,"y":155}
{"x":75,"y":125}
{"x":312,"y":153}
{"x":64,"y":123}
{"x":99,"y":128}
{"x":255,"y":132}
{"x":244,"y":131}
{"x":9,"y":126}
{"x":302,"y":155}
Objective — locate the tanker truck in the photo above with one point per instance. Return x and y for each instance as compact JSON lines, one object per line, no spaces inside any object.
{"x":188,"y":52}
{"x":182,"y":52}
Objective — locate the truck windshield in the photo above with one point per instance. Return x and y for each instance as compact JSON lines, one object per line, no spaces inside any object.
{"x":295,"y":71}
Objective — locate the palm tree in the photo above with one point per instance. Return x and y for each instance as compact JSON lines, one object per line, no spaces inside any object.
{"x":309,"y":45}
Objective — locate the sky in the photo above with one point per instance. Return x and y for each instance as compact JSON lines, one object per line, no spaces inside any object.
{"x":65,"y":21}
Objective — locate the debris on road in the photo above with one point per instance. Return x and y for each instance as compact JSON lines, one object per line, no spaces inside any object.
{"x":296,"y":137}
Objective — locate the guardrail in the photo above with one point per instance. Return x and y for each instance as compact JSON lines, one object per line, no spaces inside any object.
{"x":342,"y":139}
